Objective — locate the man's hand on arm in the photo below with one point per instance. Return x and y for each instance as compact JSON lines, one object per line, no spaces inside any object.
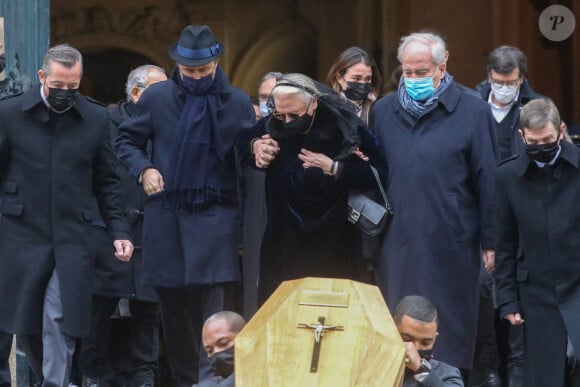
{"x":152,"y":181}
{"x":123,"y":249}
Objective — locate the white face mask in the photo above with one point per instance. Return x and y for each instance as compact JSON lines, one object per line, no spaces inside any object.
{"x":265,"y":109}
{"x":504,"y":94}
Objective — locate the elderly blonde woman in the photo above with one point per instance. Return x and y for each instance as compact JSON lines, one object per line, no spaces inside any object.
{"x":308,"y":149}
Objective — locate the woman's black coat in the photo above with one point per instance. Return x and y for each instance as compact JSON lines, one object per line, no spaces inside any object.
{"x":307,"y":233}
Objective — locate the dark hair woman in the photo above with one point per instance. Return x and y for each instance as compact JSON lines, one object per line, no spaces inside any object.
{"x":356,"y":77}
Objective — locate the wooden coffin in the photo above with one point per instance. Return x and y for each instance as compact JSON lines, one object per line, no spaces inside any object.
{"x":359,"y":343}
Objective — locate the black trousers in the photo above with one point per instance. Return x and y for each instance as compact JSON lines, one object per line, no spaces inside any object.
{"x":5,"y":348}
{"x":134,"y":346}
{"x":486,"y":349}
{"x":183,"y":311}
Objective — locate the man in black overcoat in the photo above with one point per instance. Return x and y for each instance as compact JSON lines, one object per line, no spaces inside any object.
{"x":56,"y":168}
{"x":124,"y":350}
{"x":506,"y":90}
{"x":191,"y":214}
{"x":537,"y":244}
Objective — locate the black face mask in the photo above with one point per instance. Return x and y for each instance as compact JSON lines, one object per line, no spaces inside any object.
{"x":60,"y":100}
{"x":223,"y":362}
{"x":357,"y":91}
{"x":280,"y":129}
{"x":199,"y":86}
{"x":543,"y":153}
{"x":426,"y":354}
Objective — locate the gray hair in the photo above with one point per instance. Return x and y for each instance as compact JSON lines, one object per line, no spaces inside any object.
{"x":138,"y":78}
{"x":504,"y":59}
{"x":418,"y":308}
{"x":537,"y":113}
{"x":296,"y":83}
{"x":433,"y":41}
{"x":271,"y":74}
{"x":234,"y":321}
{"x":64,"y":54}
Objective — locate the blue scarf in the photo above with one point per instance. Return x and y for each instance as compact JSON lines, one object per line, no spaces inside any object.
{"x":416,"y":108}
{"x":195,"y":172}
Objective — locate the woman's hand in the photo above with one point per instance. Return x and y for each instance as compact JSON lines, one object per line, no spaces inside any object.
{"x":318,"y":160}
{"x":360,"y":154}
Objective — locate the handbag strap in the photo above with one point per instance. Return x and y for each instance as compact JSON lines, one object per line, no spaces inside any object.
{"x":382,"y":189}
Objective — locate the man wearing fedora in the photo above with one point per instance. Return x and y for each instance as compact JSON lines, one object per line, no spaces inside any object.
{"x":191,"y":214}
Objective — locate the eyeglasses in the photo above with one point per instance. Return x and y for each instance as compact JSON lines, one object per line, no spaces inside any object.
{"x":497,"y":83}
{"x":291,"y":116}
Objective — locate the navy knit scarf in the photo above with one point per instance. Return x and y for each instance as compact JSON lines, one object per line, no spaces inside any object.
{"x":195,"y":172}
{"x":416,"y":108}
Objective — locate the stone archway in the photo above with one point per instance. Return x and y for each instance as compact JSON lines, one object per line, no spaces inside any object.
{"x":108,"y":59}
{"x":290,"y":47}
{"x":104,"y":78}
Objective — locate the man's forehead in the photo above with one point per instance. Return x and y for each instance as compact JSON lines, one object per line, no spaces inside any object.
{"x":514,"y":74}
{"x":56,"y":67}
{"x":200,"y":67}
{"x":267,"y":86}
{"x":215,"y":329}
{"x":415,"y":49}
{"x":549,"y":128}
{"x":60,"y":74}
{"x":409,"y":325}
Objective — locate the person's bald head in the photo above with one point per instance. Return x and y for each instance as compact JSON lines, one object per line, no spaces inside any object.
{"x":220,"y":330}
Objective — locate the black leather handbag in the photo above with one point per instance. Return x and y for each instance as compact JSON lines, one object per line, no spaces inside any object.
{"x":368,"y":215}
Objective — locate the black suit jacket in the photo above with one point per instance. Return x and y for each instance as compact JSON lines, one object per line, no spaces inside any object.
{"x":442,"y":374}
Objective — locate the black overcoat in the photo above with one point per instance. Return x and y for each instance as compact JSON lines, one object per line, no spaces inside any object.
{"x":192,"y":247}
{"x":307,"y":232}
{"x":541,"y":278}
{"x":115,"y":278}
{"x":441,"y":176}
{"x":52,"y":168}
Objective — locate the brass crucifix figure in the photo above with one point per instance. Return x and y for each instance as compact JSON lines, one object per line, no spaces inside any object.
{"x":319,"y":329}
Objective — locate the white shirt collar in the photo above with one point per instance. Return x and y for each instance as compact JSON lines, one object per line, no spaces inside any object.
{"x":43,"y":97}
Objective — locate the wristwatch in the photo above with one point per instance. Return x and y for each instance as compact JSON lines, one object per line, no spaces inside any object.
{"x":424,"y":366}
{"x":423,"y":372}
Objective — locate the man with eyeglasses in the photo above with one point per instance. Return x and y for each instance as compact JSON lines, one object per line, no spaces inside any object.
{"x":506,"y":90}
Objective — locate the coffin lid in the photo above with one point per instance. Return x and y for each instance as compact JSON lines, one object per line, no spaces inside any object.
{"x":272,"y":351}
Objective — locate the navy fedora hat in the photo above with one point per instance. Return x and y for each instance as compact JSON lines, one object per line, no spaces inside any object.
{"x":196,"y":46}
